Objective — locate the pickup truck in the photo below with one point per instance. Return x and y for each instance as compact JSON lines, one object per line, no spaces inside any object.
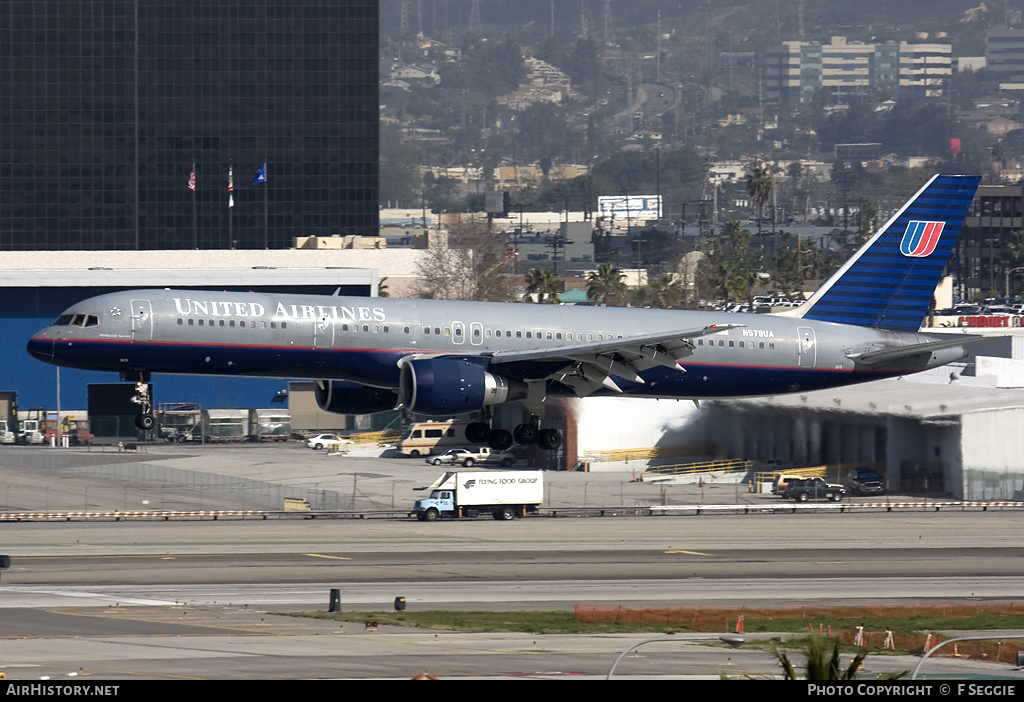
{"x":813,"y":489}
{"x":469,"y":458}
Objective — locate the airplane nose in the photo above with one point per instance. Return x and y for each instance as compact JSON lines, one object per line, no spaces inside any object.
{"x":40,"y":348}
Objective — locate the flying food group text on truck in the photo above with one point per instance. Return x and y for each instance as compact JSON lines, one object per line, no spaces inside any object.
{"x":506,"y":494}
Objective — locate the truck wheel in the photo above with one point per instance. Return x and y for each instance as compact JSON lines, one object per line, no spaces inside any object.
{"x":468,"y":462}
{"x":803,"y":497}
{"x":505,"y":514}
{"x":837,"y":497}
{"x":414,"y":454}
{"x":431,"y":515}
{"x":506,"y":462}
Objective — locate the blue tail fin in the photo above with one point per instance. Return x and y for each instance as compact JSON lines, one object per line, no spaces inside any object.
{"x":890,"y":282}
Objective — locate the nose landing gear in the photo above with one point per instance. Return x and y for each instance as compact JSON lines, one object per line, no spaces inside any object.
{"x":145,"y":419}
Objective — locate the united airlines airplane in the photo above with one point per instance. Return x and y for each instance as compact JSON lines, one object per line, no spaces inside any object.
{"x":441,"y":358}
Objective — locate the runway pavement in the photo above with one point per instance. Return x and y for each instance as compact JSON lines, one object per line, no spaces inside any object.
{"x":123,"y":600}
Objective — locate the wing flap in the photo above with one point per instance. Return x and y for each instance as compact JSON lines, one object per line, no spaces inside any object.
{"x":592,"y":365}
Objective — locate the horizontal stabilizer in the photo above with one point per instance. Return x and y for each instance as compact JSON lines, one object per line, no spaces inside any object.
{"x":872,"y":357}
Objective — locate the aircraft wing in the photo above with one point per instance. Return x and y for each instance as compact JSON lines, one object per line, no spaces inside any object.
{"x":871,"y":357}
{"x":589,"y":366}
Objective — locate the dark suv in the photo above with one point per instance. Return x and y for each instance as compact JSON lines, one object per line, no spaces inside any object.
{"x":813,"y":489}
{"x":865,"y":481}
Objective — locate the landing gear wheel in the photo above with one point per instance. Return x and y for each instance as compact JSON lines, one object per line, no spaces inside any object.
{"x":477,"y":432}
{"x":145,"y":422}
{"x":500,"y":440}
{"x":526,"y":434}
{"x":549,"y":439}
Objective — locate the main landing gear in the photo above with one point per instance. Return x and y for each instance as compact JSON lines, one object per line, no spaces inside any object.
{"x":524,"y":434}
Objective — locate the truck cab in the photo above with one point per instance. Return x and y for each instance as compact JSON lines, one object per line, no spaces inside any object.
{"x":441,"y":503}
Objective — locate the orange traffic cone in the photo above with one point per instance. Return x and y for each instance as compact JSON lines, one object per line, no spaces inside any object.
{"x":739,"y":625}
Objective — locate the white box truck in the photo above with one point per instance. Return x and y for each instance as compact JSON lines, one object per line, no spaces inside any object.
{"x":506,"y":494}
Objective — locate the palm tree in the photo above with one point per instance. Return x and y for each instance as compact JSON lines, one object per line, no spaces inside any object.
{"x":820,"y":664}
{"x":760,"y":186}
{"x":544,"y":283}
{"x":606,"y":285}
{"x":824,"y":664}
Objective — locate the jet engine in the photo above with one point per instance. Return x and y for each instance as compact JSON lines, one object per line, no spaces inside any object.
{"x":343,"y":397}
{"x":443,"y":387}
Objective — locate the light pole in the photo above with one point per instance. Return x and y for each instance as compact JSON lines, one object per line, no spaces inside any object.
{"x":933,"y":649}
{"x":1008,"y":272}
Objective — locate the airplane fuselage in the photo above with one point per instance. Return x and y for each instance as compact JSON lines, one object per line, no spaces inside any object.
{"x":363,"y":340}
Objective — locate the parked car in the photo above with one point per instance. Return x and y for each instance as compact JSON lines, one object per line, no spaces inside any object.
{"x":782,"y":481}
{"x":813,"y":489}
{"x":865,"y":481}
{"x":327,"y":441}
{"x":469,"y":458}
{"x":453,"y":456}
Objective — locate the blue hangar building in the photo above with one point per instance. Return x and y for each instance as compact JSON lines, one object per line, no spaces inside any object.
{"x":36,"y":286}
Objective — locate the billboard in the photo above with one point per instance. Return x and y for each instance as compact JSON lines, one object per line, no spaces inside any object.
{"x":633,"y":207}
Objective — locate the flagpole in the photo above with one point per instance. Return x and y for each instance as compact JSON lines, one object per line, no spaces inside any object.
{"x":231,"y":205}
{"x":261,"y":177}
{"x":195,"y":226}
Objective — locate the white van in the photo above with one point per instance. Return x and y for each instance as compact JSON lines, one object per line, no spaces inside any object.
{"x":426,"y":438}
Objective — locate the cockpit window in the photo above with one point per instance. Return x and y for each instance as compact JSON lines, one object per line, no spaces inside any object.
{"x":62,"y":321}
{"x":78,"y":320}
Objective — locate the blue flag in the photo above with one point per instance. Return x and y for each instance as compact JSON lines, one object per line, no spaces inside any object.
{"x":261,"y":175}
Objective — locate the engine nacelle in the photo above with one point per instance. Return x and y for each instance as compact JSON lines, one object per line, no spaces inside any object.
{"x":443,"y":387}
{"x":343,"y":397}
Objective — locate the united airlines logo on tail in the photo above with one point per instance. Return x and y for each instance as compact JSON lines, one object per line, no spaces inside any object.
{"x":921,"y":238}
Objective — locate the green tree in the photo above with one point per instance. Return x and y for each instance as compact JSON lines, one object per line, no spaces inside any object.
{"x":544,"y":283}
{"x":606,"y":285}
